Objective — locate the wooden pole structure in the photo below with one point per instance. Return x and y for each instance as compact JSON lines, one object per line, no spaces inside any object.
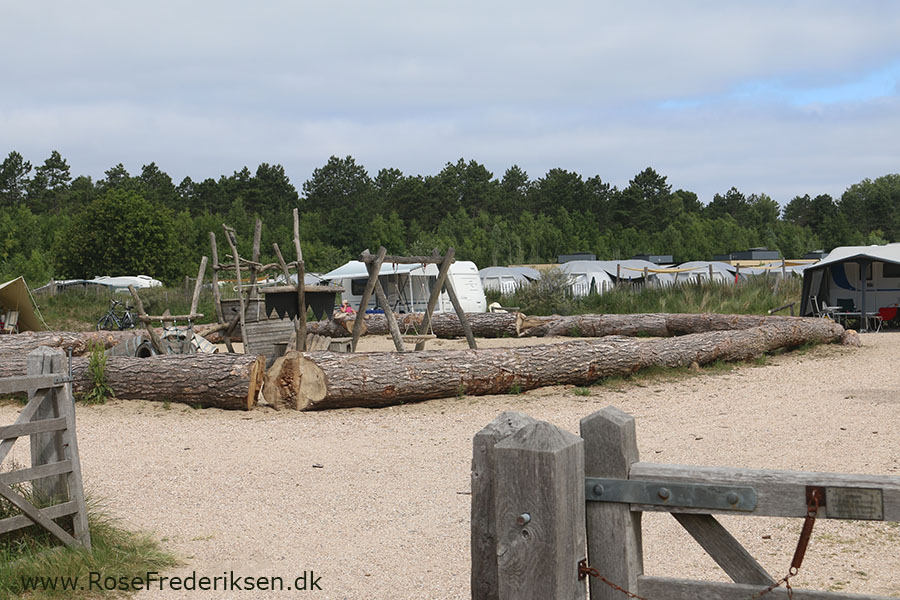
{"x":435,"y":294}
{"x":301,"y":287}
{"x":484,"y":540}
{"x":367,"y":293}
{"x":217,"y":296}
{"x":463,"y":319}
{"x":710,"y":272}
{"x":154,"y":338}
{"x":201,"y":273}
{"x":232,"y":242}
{"x":539,"y":513}
{"x":388,"y":312}
{"x":614,"y":531}
{"x":254,"y":265}
{"x":282,"y":264}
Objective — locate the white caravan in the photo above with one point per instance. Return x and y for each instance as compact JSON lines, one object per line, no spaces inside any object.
{"x":408,"y":287}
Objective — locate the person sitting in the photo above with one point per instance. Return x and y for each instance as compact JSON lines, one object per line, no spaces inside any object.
{"x":346,"y":308}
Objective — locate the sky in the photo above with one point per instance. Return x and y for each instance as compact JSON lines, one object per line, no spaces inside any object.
{"x":771,"y":97}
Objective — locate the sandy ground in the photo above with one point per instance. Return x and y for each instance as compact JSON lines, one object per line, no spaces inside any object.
{"x":374,"y":502}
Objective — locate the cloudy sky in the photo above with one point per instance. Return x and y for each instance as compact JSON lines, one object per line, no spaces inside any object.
{"x":782,"y":98}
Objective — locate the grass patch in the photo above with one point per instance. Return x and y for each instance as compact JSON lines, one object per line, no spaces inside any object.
{"x":116,"y":552}
{"x":757,"y":295}
{"x":581,"y":391}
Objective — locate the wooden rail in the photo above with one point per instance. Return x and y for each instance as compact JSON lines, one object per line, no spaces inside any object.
{"x":531,"y":523}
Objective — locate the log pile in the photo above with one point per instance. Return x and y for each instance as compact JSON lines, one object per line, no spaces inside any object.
{"x":320,"y":380}
{"x":313,"y":381}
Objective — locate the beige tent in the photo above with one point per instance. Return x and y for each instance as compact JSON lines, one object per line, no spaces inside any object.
{"x":14,"y":296}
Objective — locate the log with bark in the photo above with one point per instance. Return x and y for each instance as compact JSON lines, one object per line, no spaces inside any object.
{"x":649,"y":325}
{"x":78,"y":342}
{"x":228,"y":381}
{"x":443,"y":325}
{"x":322,"y":380}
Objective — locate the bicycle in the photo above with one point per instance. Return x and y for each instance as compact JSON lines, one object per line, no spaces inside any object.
{"x":113,"y":321}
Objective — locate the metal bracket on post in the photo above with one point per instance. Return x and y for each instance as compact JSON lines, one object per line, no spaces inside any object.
{"x":664,"y":493}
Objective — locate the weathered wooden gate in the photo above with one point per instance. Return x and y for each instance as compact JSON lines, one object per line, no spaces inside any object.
{"x":542,"y":498}
{"x":55,"y":472}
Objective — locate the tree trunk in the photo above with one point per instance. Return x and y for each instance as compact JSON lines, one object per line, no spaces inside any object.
{"x":323,"y":380}
{"x":79,"y":342}
{"x":649,"y":325}
{"x":444,"y":325}
{"x":228,"y":381}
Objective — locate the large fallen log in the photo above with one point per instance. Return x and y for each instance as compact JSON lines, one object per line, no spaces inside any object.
{"x":444,"y":325}
{"x":321,"y":380}
{"x":229,"y":381}
{"x":78,"y":342}
{"x":649,"y":325}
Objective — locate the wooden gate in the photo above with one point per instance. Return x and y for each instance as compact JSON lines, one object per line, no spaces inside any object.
{"x":544,"y":500}
{"x":55,"y":472}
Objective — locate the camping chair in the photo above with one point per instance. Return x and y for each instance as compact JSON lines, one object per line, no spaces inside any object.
{"x":11,"y":322}
{"x":821,"y":310}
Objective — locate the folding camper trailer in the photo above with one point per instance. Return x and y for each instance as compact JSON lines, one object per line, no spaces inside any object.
{"x":408,"y":287}
{"x":855,"y":280}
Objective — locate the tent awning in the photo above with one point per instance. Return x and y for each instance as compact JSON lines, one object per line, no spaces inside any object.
{"x":14,"y":296}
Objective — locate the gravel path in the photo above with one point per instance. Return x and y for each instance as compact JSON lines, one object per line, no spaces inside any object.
{"x":375,"y":501}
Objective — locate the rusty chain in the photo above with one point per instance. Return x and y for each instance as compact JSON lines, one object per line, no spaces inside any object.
{"x":584,"y":571}
{"x":814,"y":497}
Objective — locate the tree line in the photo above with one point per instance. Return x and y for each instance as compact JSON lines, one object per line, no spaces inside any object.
{"x":54,"y":225}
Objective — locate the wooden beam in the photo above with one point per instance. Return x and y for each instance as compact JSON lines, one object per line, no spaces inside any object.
{"x":724,"y":549}
{"x":217,"y":297}
{"x":151,"y":331}
{"x":402,"y":260}
{"x":484,"y":541}
{"x":195,"y":299}
{"x":301,"y":286}
{"x":254,"y":264}
{"x":463,"y":320}
{"x":364,"y":301}
{"x":778,"y":493}
{"x":232,"y":242}
{"x":665,"y":588}
{"x":35,"y":515}
{"x":614,"y":539}
{"x":539,"y":512}
{"x":435,"y":294}
{"x":282,"y":264}
{"x":388,"y":313}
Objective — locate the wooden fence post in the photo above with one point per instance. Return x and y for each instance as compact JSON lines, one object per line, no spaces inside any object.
{"x":47,"y":447}
{"x":483,"y":528}
{"x":539,"y":514}
{"x":613,"y":531}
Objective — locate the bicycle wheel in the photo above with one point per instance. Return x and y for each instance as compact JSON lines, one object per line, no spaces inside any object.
{"x":107,"y":323}
{"x":128,"y":322}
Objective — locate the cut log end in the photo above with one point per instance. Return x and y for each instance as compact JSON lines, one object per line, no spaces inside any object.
{"x":257,"y":377}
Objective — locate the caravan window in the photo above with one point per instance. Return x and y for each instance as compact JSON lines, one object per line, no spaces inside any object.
{"x":891,"y":270}
{"x":358,"y":286}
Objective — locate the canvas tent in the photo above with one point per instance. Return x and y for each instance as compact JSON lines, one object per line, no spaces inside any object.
{"x":587,"y":277}
{"x":14,"y":297}
{"x":699,"y":270}
{"x":507,"y":279}
{"x":632,"y":270}
{"x":863,"y":279}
